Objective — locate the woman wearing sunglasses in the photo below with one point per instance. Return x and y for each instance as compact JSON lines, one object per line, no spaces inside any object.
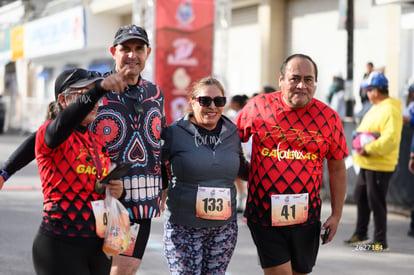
{"x":204,"y":158}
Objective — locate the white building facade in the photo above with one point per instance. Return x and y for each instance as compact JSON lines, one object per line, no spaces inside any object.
{"x":251,"y":42}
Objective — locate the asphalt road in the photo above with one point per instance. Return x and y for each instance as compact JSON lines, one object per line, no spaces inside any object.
{"x":20,"y":214}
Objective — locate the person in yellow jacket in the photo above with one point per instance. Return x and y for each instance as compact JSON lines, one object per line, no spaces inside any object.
{"x":376,"y":149}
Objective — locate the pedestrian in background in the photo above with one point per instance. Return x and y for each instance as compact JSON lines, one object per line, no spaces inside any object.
{"x":411,"y":169}
{"x":408,"y":113}
{"x":204,"y":154}
{"x":408,"y":117}
{"x":65,"y":149}
{"x":377,"y":160}
{"x":292,"y":135}
{"x":365,"y":102}
{"x":237,"y":103}
{"x":267,"y":89}
{"x":369,"y":68}
{"x":336,"y":96}
{"x":2,"y":114}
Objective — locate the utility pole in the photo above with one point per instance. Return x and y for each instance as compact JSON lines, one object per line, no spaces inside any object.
{"x":350,"y":58}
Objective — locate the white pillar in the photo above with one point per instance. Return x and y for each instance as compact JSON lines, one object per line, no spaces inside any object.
{"x":222,"y":24}
{"x":143,"y":14}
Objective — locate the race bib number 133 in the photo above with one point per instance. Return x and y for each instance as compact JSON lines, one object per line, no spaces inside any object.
{"x":289,"y":209}
{"x":213,"y":203}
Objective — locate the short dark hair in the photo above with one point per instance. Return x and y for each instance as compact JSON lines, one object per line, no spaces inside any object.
{"x":382,"y":90}
{"x":240,"y":99}
{"x":268,"y":89}
{"x":304,"y":56}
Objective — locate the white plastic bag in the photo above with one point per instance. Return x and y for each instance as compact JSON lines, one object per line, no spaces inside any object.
{"x":101,"y":217}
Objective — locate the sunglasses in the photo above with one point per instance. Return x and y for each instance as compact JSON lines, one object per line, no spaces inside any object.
{"x":76,"y":92}
{"x":205,"y":101}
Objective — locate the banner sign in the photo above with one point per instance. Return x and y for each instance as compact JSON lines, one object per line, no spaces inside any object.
{"x":57,"y":33}
{"x":5,"y":52}
{"x":184,"y":49}
{"x":16,"y":42}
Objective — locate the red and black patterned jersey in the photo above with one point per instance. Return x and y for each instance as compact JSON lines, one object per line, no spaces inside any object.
{"x":68,"y":175}
{"x":288,"y":149}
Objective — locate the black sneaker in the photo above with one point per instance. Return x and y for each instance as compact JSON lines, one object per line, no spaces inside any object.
{"x":355,"y":239}
{"x":411,"y":233}
{"x":377,"y":247}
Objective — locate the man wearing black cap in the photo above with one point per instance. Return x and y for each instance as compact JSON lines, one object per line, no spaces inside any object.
{"x":130,"y":124}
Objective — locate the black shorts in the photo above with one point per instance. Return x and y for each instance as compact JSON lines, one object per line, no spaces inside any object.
{"x":279,"y":245}
{"x":67,"y":256}
{"x":142,"y":238}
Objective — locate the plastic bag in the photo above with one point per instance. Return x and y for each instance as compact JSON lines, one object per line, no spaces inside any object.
{"x":100,"y":212}
{"x":117,"y":234}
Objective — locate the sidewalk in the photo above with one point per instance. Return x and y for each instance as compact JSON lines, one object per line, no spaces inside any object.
{"x":338,"y":258}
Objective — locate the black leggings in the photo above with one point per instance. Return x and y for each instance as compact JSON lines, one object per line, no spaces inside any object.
{"x":83,"y":256}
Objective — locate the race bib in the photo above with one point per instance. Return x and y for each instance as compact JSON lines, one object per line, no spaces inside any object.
{"x":289,"y":209}
{"x":213,"y":203}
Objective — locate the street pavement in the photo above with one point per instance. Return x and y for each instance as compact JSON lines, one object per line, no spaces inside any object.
{"x":20,"y":214}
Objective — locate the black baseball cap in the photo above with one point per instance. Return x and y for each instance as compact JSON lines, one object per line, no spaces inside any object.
{"x":74,"y":78}
{"x":129,"y":32}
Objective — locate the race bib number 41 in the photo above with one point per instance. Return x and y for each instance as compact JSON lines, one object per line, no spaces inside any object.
{"x":213,"y":203}
{"x":289,"y":209}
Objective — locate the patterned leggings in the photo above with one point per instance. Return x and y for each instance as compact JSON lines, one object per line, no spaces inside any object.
{"x":195,"y":251}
